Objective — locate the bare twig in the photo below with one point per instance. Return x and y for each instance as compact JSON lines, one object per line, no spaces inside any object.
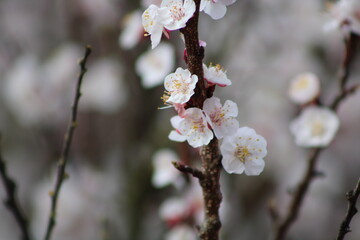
{"x":187,"y":169}
{"x":352,"y":197}
{"x":12,"y":202}
{"x":210,"y":154}
{"x":282,"y":225}
{"x":61,"y":174}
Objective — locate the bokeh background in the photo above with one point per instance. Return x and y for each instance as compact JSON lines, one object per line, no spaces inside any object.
{"x":110,"y":193}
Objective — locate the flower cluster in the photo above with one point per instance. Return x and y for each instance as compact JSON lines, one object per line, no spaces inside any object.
{"x":316,"y":126}
{"x":243,"y":149}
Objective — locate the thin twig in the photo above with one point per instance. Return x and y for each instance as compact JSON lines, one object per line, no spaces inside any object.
{"x":282,"y":225}
{"x":12,"y":202}
{"x":61,"y":174}
{"x":352,"y":197}
{"x":189,"y":170}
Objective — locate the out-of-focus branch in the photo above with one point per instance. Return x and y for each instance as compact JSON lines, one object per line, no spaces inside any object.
{"x":352,"y":197}
{"x":61,"y":173}
{"x":11,"y":202}
{"x":282,"y":225}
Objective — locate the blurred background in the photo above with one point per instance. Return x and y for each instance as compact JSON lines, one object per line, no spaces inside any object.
{"x":120,"y":186}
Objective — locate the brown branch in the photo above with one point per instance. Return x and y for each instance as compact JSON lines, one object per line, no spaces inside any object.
{"x":210,"y":154}
{"x":282,"y":225}
{"x":12,"y":202}
{"x":61,"y":174}
{"x":352,"y":197}
{"x":189,"y":170}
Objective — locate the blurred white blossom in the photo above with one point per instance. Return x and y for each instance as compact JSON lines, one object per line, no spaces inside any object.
{"x":315,"y":127}
{"x":132,"y":30}
{"x":244,"y":151}
{"x":304,"y":88}
{"x":164,"y":172}
{"x":346,"y":14}
{"x":181,"y":232}
{"x":154,"y":65}
{"x":103,"y":87}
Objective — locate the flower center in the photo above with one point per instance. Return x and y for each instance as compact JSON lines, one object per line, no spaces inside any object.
{"x":217,"y":117}
{"x":177,"y":13}
{"x":318,"y":129}
{"x":198,"y":125}
{"x":242,"y":152}
{"x":302,"y":83}
{"x":181,"y":86}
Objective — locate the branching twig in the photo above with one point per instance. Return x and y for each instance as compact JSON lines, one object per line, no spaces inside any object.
{"x":61,"y":174}
{"x":282,"y":225}
{"x":352,"y":197}
{"x":11,"y":202}
{"x":189,"y":170}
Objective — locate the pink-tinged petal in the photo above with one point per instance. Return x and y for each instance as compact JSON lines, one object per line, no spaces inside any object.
{"x":176,"y":137}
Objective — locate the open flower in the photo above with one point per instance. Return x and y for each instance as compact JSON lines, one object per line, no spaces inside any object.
{"x":216,"y":75}
{"x":215,"y":8}
{"x":195,"y":127}
{"x":304,"y":88}
{"x":180,"y":85}
{"x":346,"y":14}
{"x":176,"y":135}
{"x":244,"y":151}
{"x":174,"y":14}
{"x":155,"y":64}
{"x":315,"y":127}
{"x":151,"y":25}
{"x":221,"y":118}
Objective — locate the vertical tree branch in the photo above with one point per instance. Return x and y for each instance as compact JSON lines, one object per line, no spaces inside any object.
{"x":210,"y":154}
{"x":12,"y":202}
{"x":352,"y":197}
{"x":282,"y":225}
{"x":61,"y":174}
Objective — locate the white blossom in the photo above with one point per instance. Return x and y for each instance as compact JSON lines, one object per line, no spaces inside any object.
{"x":151,"y":25}
{"x":175,"y":135}
{"x":174,"y":14}
{"x":132,"y":32}
{"x":216,"y":9}
{"x":244,"y":151}
{"x":216,"y":75}
{"x":304,"y":88}
{"x":346,"y":14}
{"x":181,"y":232}
{"x":315,"y":127}
{"x":180,"y":85}
{"x":154,"y":65}
{"x":164,"y":172}
{"x":195,"y":127}
{"x":221,"y":118}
